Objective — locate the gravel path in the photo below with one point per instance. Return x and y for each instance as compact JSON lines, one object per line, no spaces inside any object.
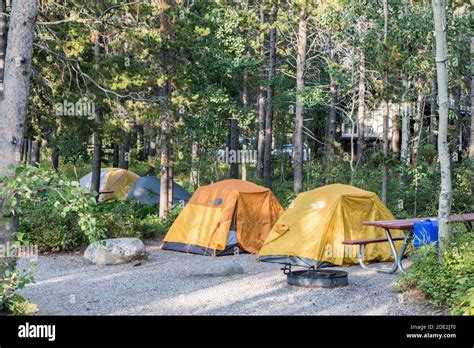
{"x":163,"y":285}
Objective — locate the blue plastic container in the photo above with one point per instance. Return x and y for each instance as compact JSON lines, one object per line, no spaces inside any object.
{"x":426,"y":232}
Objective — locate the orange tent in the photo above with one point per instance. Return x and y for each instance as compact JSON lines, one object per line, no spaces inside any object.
{"x":223,"y":218}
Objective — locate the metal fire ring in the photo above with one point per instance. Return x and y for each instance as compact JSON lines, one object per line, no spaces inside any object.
{"x":316,"y":278}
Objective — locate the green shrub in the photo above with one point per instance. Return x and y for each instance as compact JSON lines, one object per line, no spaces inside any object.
{"x":132,"y":219}
{"x":55,"y":213}
{"x":447,"y":281}
{"x":10,"y":302}
{"x":44,"y":226}
{"x":118,"y":219}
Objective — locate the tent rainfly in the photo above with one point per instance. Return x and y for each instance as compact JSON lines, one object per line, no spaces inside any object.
{"x":225,"y":217}
{"x":311,"y":231}
{"x":117,"y":180}
{"x":146,"y":190}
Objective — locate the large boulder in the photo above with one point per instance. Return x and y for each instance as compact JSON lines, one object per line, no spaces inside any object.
{"x":115,"y":251}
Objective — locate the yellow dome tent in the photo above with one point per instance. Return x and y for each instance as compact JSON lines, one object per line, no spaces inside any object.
{"x":311,"y":231}
{"x":224,"y":217}
{"x":118,"y":180}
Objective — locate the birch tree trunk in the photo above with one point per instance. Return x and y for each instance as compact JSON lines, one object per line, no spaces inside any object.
{"x":193,"y":175}
{"x":16,"y":82}
{"x":267,"y":170}
{"x":361,"y":107}
{"x":299,"y":112}
{"x":444,"y":207}
{"x":404,"y":155}
{"x":164,"y":159}
{"x":13,"y":109}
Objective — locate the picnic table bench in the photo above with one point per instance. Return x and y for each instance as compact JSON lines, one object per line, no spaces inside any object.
{"x":406,"y":225}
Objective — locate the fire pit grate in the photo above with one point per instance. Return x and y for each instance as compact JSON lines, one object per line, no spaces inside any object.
{"x":316,"y":278}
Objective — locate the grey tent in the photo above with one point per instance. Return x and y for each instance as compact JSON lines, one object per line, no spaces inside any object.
{"x":146,"y":190}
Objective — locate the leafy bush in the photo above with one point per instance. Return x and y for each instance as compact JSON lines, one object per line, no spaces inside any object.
{"x":44,"y":226}
{"x":132,"y":219}
{"x":55,"y":212}
{"x":11,"y":303}
{"x":118,"y":219}
{"x":448,"y":281}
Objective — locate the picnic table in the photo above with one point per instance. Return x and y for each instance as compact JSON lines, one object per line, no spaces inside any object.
{"x":406,"y":226}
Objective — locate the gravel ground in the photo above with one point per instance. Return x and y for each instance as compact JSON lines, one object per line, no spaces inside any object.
{"x":67,"y":284}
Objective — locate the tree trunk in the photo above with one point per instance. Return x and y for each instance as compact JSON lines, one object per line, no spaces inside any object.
{"x":115,"y":155}
{"x":385,"y":112}
{"x":97,"y":138}
{"x":361,"y":107}
{"x":404,"y":155}
{"x":97,"y":155}
{"x":124,"y":148}
{"x":395,"y":134}
{"x":193,"y":175}
{"x":140,"y":146}
{"x":13,"y":110}
{"x":245,"y":105}
{"x":418,"y":127}
{"x":168,"y":63}
{"x":170,"y":173}
{"x":471,"y":146}
{"x":267,"y":170}
{"x":52,"y":136}
{"x":261,"y":109}
{"x":16,"y":82}
{"x":164,"y":172}
{"x":35,"y":152}
{"x":261,"y":131}
{"x":458,"y":121}
{"x":152,"y":152}
{"x":26,"y":151}
{"x":331,"y":128}
{"x":55,"y":158}
{"x":433,"y":110}
{"x":3,"y":44}
{"x":444,"y":208}
{"x":299,"y":112}
{"x":233,"y":148}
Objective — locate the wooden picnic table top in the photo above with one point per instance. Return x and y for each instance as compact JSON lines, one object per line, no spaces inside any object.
{"x":406,"y":224}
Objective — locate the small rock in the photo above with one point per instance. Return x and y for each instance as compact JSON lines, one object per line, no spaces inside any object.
{"x":115,"y":251}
